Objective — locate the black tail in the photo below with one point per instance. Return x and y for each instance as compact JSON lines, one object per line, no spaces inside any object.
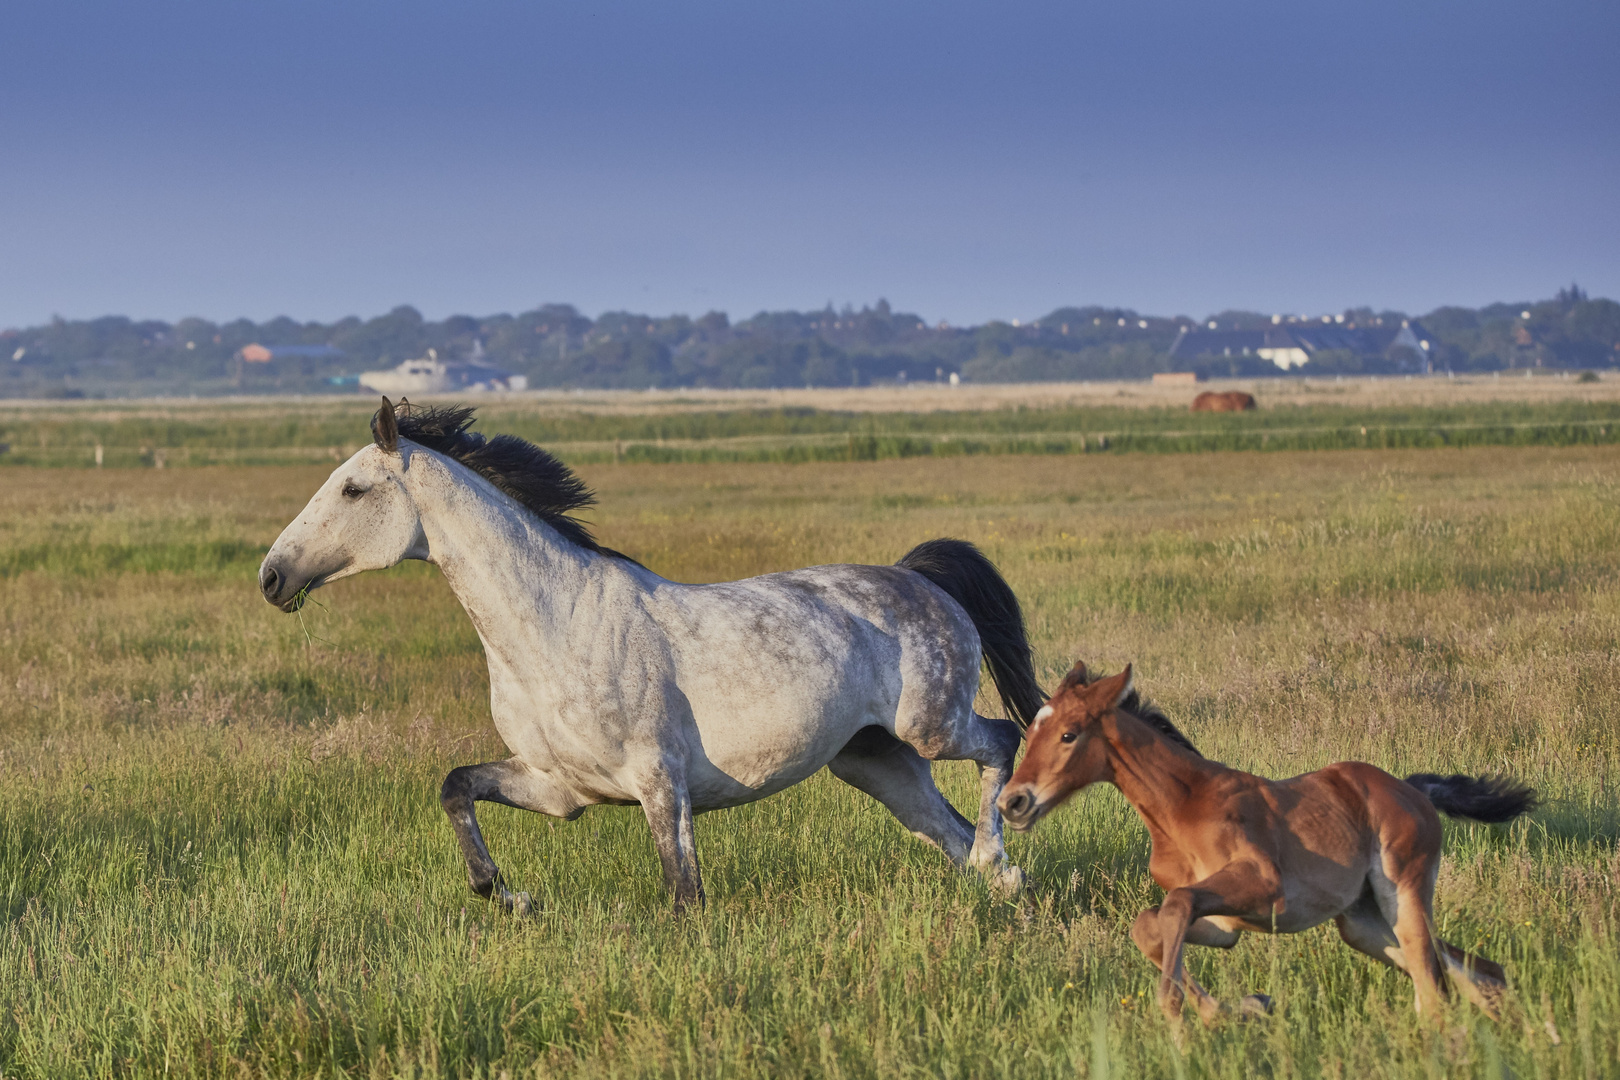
{"x":1491,"y":799}
{"x":974,"y":582}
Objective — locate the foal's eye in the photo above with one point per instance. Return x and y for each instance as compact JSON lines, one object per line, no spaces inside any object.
{"x":1068,"y":736}
{"x":350,"y":491}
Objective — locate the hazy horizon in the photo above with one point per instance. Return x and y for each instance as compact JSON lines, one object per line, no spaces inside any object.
{"x":965,"y":164}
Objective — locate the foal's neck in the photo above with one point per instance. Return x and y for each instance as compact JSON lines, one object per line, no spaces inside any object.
{"x":1154,"y":774}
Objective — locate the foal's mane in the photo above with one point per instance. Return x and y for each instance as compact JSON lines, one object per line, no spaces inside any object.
{"x":1141,"y":708}
{"x":542,"y":484}
{"x":1153,"y":716}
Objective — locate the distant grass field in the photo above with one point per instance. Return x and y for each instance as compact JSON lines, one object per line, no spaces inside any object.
{"x":221,"y":852}
{"x":181,"y":434}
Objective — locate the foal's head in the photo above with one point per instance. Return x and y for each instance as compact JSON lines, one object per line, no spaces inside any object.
{"x":1064,"y":754}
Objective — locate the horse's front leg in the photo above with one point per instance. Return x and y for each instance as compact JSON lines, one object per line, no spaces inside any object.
{"x":668,"y":806}
{"x":509,"y":782}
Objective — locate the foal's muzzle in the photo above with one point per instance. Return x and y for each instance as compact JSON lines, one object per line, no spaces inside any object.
{"x":1019,"y":807}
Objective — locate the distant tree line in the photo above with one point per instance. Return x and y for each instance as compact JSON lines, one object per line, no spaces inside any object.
{"x":556,"y":346}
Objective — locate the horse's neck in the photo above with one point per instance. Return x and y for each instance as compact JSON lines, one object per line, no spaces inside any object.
{"x":1153,"y":774}
{"x":517,"y":578}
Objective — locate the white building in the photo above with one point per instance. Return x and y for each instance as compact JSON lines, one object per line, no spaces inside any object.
{"x":430,"y":375}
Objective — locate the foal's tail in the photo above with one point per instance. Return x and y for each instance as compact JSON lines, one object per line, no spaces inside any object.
{"x":1491,"y":799}
{"x":973,"y":581}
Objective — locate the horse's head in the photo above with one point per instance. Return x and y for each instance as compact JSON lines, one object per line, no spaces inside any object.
{"x":1064,"y":754}
{"x":362,"y":518}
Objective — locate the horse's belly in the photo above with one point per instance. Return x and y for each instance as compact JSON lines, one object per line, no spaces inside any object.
{"x":738,"y":764}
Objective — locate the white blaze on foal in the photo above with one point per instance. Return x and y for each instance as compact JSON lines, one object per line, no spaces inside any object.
{"x":610,"y":684}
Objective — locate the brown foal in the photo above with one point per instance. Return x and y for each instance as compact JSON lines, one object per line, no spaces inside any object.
{"x":1235,"y":852}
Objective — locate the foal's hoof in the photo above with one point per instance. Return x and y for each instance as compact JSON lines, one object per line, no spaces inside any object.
{"x":1255,"y":1005}
{"x":518,"y":903}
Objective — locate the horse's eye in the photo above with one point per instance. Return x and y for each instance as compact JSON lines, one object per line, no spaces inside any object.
{"x":350,"y":491}
{"x":1069,"y":736}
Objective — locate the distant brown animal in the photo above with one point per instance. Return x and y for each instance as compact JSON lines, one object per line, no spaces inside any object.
{"x":1236,"y":852}
{"x":1231,"y":401}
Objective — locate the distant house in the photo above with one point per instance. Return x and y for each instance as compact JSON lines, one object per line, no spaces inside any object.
{"x":430,"y":375}
{"x":1290,"y":344}
{"x":263,"y":354}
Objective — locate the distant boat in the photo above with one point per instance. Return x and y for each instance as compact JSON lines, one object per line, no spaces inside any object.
{"x":430,"y":375}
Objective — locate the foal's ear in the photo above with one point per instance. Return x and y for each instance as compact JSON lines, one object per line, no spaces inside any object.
{"x":1115,"y":688}
{"x":385,"y":428}
{"x":1077,"y":677}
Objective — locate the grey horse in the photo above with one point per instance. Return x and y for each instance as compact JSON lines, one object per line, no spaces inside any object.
{"x":610,"y":684}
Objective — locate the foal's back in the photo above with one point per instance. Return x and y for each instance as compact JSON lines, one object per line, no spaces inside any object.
{"x":1331,"y":835}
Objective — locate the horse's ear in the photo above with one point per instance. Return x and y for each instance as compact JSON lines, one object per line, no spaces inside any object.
{"x":1075,"y":679}
{"x":385,"y":428}
{"x":1115,"y":688}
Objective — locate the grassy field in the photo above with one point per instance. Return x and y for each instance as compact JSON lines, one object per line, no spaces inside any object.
{"x":221,"y":852}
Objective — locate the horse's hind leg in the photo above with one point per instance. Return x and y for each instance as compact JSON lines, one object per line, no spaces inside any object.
{"x":992,"y":744}
{"x":995,"y":769}
{"x":896,"y":776}
{"x":509,"y":782}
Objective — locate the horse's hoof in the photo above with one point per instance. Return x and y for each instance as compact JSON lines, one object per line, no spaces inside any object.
{"x":1008,"y":881}
{"x":518,"y":903}
{"x":1255,"y":1005}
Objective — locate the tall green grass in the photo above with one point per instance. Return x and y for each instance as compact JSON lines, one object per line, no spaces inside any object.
{"x":221,"y":851}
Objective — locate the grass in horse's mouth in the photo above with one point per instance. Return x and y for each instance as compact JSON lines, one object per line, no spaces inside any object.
{"x":299,"y":600}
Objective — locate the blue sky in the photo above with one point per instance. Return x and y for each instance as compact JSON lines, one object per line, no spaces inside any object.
{"x":964,"y":160}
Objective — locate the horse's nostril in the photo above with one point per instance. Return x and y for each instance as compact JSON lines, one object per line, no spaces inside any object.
{"x":270,"y":584}
{"x":1015,"y":803}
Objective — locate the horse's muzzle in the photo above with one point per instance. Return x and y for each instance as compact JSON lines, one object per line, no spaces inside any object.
{"x":276,"y":589}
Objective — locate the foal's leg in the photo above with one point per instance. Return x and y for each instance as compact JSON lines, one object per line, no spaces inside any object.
{"x":1412,"y":919}
{"x":668,"y":806}
{"x":1363,"y":927}
{"x":511,"y":783}
{"x":1428,"y":959}
{"x":1482,"y":981}
{"x":1249,"y":889}
{"x":1402,"y":884}
{"x":1145,"y":933}
{"x":892,"y":773}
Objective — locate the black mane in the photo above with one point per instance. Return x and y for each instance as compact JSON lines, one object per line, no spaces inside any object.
{"x":536,"y":479}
